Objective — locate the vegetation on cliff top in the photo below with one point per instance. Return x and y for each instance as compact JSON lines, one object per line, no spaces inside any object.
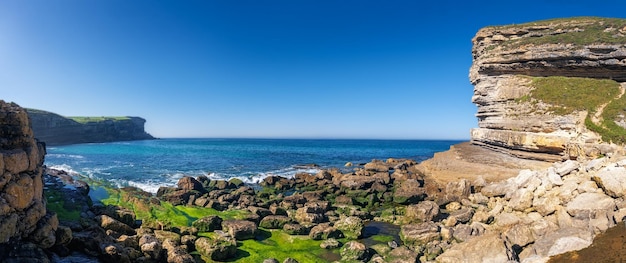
{"x":579,"y":31}
{"x":569,"y":94}
{"x":84,"y":120}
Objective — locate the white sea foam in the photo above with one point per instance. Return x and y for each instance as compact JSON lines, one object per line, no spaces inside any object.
{"x":150,"y":187}
{"x":61,"y":155}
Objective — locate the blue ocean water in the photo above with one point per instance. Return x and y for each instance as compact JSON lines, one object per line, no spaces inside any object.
{"x":154,"y":163}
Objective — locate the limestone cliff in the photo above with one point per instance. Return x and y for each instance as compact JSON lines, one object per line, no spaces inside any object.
{"x":533,"y":90}
{"x":22,"y":206}
{"x":54,"y":129}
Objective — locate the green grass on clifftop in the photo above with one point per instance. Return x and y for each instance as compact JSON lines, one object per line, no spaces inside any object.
{"x":97,"y":119}
{"x":569,"y":94}
{"x":578,"y":31}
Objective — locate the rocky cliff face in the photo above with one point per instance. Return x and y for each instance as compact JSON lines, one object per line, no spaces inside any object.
{"x":22,"y":206}
{"x":510,"y":61}
{"x":54,"y":129}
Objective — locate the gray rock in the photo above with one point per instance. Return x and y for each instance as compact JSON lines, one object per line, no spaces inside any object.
{"x":566,"y":167}
{"x":520,"y":235}
{"x":612,"y":181}
{"x":463,"y":215}
{"x":488,"y":248}
{"x":498,"y":189}
{"x":554,"y":177}
{"x":595,"y":164}
{"x":546,"y":205}
{"x":330,"y":243}
{"x":586,"y":205}
{"x":563,"y":240}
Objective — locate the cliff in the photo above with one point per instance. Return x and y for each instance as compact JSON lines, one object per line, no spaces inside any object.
{"x":54,"y":129}
{"x":22,"y":206}
{"x":551,"y":90}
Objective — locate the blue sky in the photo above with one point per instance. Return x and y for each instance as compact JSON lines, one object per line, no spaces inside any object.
{"x":250,"y":68}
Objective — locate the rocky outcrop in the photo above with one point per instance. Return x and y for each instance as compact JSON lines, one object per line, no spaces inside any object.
{"x":22,"y":206}
{"x":506,"y":59}
{"x":54,"y":129}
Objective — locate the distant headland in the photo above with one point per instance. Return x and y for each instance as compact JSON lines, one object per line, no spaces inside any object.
{"x":54,"y":129}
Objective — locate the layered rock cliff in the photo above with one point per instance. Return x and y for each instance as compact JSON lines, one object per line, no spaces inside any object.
{"x":54,"y":129}
{"x":22,"y":205}
{"x":550,"y":90}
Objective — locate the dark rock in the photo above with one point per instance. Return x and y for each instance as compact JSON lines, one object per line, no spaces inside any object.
{"x":190,"y":184}
{"x":110,"y":223}
{"x":262,"y":212}
{"x":409,"y":192}
{"x":178,"y":197}
{"x":188,"y":241}
{"x":463,"y":215}
{"x":274,"y":222}
{"x":290,"y":260}
{"x":150,"y":246}
{"x":176,"y":254}
{"x":163,"y":235}
{"x":236,"y":182}
{"x":26,"y":252}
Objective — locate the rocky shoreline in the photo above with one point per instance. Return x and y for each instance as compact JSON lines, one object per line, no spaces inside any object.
{"x":526,"y":218}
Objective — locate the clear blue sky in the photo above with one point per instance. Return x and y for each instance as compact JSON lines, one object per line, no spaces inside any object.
{"x":291,"y":68}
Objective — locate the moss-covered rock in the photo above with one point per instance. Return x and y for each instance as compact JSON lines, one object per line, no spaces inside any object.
{"x":274,"y":222}
{"x":208,"y":223}
{"x":351,"y":227}
{"x":217,"y":247}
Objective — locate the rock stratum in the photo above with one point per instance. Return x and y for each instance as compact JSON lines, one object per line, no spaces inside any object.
{"x":54,"y":129}
{"x":23,"y":215}
{"x":531,"y":79}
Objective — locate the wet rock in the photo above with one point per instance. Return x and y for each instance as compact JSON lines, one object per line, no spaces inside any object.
{"x":208,"y":223}
{"x":354,"y":250}
{"x":190,"y":184}
{"x":240,"y":229}
{"x":218,"y":248}
{"x":274,"y":222}
{"x":351,"y":227}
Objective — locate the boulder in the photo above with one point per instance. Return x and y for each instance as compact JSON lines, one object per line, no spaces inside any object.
{"x":403,"y":255}
{"x":110,"y":223}
{"x":588,"y":205}
{"x":163,"y":235}
{"x":190,"y":184}
{"x":295,"y":229}
{"x":330,"y":243}
{"x":150,"y":246}
{"x":488,"y":248}
{"x":421,"y":212}
{"x":218,"y":248}
{"x":176,"y":254}
{"x":409,"y":192}
{"x":354,"y":250}
{"x":208,"y":223}
{"x":462,"y":215}
{"x":521,"y":199}
{"x":520,"y":235}
{"x":419,"y":234}
{"x":376,"y":166}
{"x":324,"y":231}
{"x":274,"y":222}
{"x":457,"y":191}
{"x":561,"y":241}
{"x":612,"y":180}
{"x":240,"y":229}
{"x":351,"y":227}
{"x":566,"y":167}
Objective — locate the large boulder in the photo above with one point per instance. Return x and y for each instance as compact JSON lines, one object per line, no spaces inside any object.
{"x":589,"y":205}
{"x":561,"y":241}
{"x":422,"y":212}
{"x":409,"y":192}
{"x":208,"y":223}
{"x":217,"y":248}
{"x":351,"y":227}
{"x":354,"y":250}
{"x":324,"y":231}
{"x":176,"y":254}
{"x":488,"y":248}
{"x":151,"y":247}
{"x":110,"y":223}
{"x":274,"y":222}
{"x":190,"y":184}
{"x":457,"y":191}
{"x":612,"y":180}
{"x":419,"y":234}
{"x":240,"y":229}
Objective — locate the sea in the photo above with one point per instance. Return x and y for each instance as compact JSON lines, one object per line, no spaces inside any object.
{"x":151,"y":164}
